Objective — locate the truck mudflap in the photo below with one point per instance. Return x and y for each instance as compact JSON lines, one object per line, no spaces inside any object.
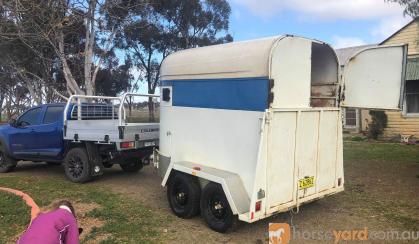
{"x":95,"y":159}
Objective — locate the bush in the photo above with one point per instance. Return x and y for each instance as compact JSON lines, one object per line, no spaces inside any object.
{"x":377,"y":125}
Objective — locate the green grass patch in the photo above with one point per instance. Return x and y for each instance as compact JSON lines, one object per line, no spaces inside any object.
{"x":14,"y":216}
{"x":381,"y":151}
{"x":124,"y":220}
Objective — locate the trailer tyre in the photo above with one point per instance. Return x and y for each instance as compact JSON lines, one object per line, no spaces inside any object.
{"x":215,"y":208}
{"x":183,"y":194}
{"x":7,"y":163}
{"x":77,"y":166}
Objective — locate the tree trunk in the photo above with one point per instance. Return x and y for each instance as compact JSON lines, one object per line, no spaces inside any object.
{"x":71,"y":82}
{"x":88,"y":48}
{"x":1,"y":105}
{"x":34,"y":95}
{"x":129,"y":106}
{"x":152,"y":117}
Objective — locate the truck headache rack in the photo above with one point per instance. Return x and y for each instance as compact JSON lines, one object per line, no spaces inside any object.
{"x":92,"y":111}
{"x":102,"y":119}
{"x":99,"y":110}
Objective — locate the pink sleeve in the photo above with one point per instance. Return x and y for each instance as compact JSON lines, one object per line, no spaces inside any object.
{"x":72,"y":235}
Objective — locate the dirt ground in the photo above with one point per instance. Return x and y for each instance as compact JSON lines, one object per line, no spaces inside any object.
{"x":379,"y":195}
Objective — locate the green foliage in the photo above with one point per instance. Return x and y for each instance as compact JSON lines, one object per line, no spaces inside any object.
{"x":113,"y":81}
{"x":377,"y":125}
{"x":166,"y":26}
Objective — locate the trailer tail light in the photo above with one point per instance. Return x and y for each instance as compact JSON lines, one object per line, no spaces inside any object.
{"x":258,"y":206}
{"x":339,"y":181}
{"x":127,"y":145}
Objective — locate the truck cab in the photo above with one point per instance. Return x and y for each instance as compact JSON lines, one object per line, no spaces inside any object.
{"x":36,"y":135}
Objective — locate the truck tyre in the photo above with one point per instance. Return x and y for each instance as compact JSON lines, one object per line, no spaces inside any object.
{"x":7,"y":163}
{"x":133,"y":165}
{"x":183,"y":194}
{"x":215,"y":208}
{"x":77,"y":166}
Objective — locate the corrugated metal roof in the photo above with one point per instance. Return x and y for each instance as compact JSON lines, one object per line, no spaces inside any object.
{"x":344,"y":54}
{"x":412,"y":69}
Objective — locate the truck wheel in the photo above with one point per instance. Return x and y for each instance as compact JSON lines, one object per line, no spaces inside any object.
{"x":183,"y":194}
{"x":134,"y":165}
{"x":77,"y":166}
{"x":215,"y":208}
{"x":7,"y":164}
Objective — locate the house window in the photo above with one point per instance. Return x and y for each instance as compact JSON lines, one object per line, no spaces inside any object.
{"x":412,"y":97}
{"x":351,"y":118}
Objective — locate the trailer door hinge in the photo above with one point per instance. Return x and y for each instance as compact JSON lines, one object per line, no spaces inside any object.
{"x":268,"y":116}
{"x":261,"y":194}
{"x":270,"y":92}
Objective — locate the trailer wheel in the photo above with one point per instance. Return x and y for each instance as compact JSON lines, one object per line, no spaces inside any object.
{"x":183,"y":194}
{"x":77,"y":166}
{"x":133,"y":165}
{"x":215,"y":208}
{"x":7,"y":164}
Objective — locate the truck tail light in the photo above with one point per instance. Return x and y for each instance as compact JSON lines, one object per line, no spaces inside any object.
{"x":258,"y":206}
{"x":127,"y":145}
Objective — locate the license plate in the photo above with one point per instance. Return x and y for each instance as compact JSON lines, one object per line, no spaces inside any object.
{"x":149,"y":143}
{"x":306,"y":182}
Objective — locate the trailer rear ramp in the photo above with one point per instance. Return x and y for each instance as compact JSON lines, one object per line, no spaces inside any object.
{"x":302,"y":160}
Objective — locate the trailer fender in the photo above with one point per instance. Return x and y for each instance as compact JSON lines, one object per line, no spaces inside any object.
{"x":231,"y":183}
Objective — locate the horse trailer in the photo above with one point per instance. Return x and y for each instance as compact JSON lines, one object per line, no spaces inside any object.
{"x":249,"y":129}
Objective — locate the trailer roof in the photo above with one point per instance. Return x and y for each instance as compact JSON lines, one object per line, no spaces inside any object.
{"x":231,"y":60}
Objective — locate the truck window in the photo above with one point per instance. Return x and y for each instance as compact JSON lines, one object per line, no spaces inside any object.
{"x":30,"y":118}
{"x":53,"y":114}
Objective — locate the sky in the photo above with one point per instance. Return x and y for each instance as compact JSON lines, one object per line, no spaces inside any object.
{"x":341,"y":23}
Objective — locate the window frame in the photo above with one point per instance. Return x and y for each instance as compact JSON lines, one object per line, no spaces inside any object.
{"x":46,"y":111}
{"x":346,"y":126}
{"x":29,"y":110}
{"x":405,"y":113}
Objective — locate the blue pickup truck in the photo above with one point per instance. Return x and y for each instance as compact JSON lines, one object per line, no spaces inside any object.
{"x":39,"y":135}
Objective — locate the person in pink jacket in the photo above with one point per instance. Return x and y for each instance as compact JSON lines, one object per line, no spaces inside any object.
{"x":55,"y":227}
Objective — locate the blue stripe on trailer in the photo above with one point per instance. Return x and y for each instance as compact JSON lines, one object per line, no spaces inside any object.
{"x":236,"y":94}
